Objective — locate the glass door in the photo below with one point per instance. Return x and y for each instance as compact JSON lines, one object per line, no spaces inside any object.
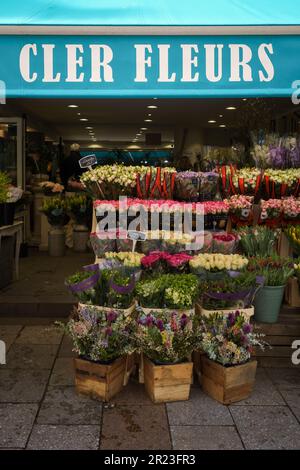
{"x":12,"y":149}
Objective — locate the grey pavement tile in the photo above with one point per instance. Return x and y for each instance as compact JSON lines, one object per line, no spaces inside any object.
{"x":33,"y":356}
{"x":9,"y":330}
{"x":133,"y":393}
{"x":16,"y":421}
{"x":285,"y":378}
{"x":135,"y":427}
{"x":199,"y":410}
{"x":51,"y":437}
{"x":267,"y":427}
{"x":264,"y":392}
{"x":66,"y":347}
{"x":47,"y":334}
{"x":292,"y":398}
{"x":22,"y":386}
{"x":62,"y":405}
{"x":63,"y":372}
{"x":29,"y":320}
{"x":205,"y":438}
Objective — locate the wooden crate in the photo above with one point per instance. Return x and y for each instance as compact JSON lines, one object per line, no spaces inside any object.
{"x":292,"y":292}
{"x":99,"y":380}
{"x":227,"y":384}
{"x":167,"y":383}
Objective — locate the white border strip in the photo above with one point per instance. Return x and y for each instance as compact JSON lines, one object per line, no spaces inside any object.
{"x":150,"y":30}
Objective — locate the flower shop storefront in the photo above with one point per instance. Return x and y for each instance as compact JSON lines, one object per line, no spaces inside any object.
{"x":161,"y":302}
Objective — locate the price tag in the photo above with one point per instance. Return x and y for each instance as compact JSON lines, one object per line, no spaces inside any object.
{"x":136,"y":236}
{"x":88,"y":161}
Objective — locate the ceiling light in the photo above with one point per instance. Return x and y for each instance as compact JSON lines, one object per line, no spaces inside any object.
{"x":89,"y":127}
{"x":149,"y":115}
{"x":212,"y":121}
{"x":244,"y":99}
{"x":148,"y":120}
{"x":152,"y":107}
{"x":139,"y":134}
{"x":220,"y":115}
{"x":155,"y":98}
{"x":72,"y":106}
{"x":83,"y":119}
{"x":222,"y":125}
{"x":231,"y":108}
{"x":144,"y":128}
{"x":78,"y":114}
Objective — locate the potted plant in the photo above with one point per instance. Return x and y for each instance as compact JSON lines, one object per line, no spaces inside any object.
{"x":276,"y":272}
{"x":84,"y":286}
{"x":236,"y":290}
{"x":9,"y":195}
{"x":228,"y":373}
{"x":213,"y":266}
{"x":168,"y":292}
{"x":127,"y":261}
{"x":102,"y":341}
{"x":80,"y":210}
{"x":56,"y":211}
{"x":164,"y":262}
{"x":166,"y":342}
{"x":241,"y":209}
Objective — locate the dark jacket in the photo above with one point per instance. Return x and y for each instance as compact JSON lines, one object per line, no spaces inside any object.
{"x":70,"y":168}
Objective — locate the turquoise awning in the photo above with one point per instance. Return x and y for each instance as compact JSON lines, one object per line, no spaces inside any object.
{"x":150,"y":12}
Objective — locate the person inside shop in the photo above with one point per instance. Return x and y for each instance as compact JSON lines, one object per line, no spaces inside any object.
{"x":70,"y":170}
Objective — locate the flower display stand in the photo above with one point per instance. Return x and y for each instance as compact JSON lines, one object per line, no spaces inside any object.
{"x":167,"y":383}
{"x":292,"y":292}
{"x":227,"y":384}
{"x":284,"y":247}
{"x":97,"y":380}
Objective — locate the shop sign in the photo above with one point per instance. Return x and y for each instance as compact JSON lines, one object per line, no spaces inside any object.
{"x":133,"y":66}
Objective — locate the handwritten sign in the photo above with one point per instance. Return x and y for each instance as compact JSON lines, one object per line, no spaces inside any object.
{"x":88,"y":161}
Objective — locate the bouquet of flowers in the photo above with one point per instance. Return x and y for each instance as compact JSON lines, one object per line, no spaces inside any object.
{"x":166,"y":339}
{"x":156,"y":183}
{"x":187,"y":185}
{"x":173,"y":291}
{"x":224,"y":243}
{"x":246,"y":181}
{"x":100,"y":336}
{"x":163,"y":262}
{"x":215,"y":214}
{"x":51,"y":189}
{"x":271,"y":212}
{"x":229,"y":340}
{"x":103,"y":242}
{"x":176,"y":242}
{"x":232,"y":291}
{"x":80,"y":208}
{"x":214,"y":265}
{"x":291,"y":209}
{"x":280,"y":183}
{"x":56,"y":211}
{"x":241,"y":209}
{"x":275,"y":270}
{"x":258,"y":241}
{"x":208,"y":186}
{"x":126,"y":258}
{"x":84,"y":286}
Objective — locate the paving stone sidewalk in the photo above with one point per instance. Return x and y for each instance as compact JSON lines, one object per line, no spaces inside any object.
{"x":39,"y":408}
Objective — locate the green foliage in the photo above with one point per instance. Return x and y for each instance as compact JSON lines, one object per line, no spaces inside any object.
{"x":178,"y":291}
{"x":275,"y":270}
{"x":258,"y":240}
{"x":5,"y":181}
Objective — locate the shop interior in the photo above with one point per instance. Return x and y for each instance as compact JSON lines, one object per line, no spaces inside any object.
{"x":36,"y":136}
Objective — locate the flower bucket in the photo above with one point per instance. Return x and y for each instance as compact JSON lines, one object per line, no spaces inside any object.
{"x":267,"y":303}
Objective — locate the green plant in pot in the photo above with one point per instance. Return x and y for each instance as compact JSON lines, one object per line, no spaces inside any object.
{"x":56,"y":211}
{"x":276,"y":271}
{"x":258,"y":240}
{"x":80,"y":208}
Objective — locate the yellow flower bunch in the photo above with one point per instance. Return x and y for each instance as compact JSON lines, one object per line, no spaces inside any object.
{"x":127,"y":258}
{"x":218,"y":262}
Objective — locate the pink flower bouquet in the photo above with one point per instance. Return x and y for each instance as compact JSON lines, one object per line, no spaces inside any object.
{"x":224,"y":243}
